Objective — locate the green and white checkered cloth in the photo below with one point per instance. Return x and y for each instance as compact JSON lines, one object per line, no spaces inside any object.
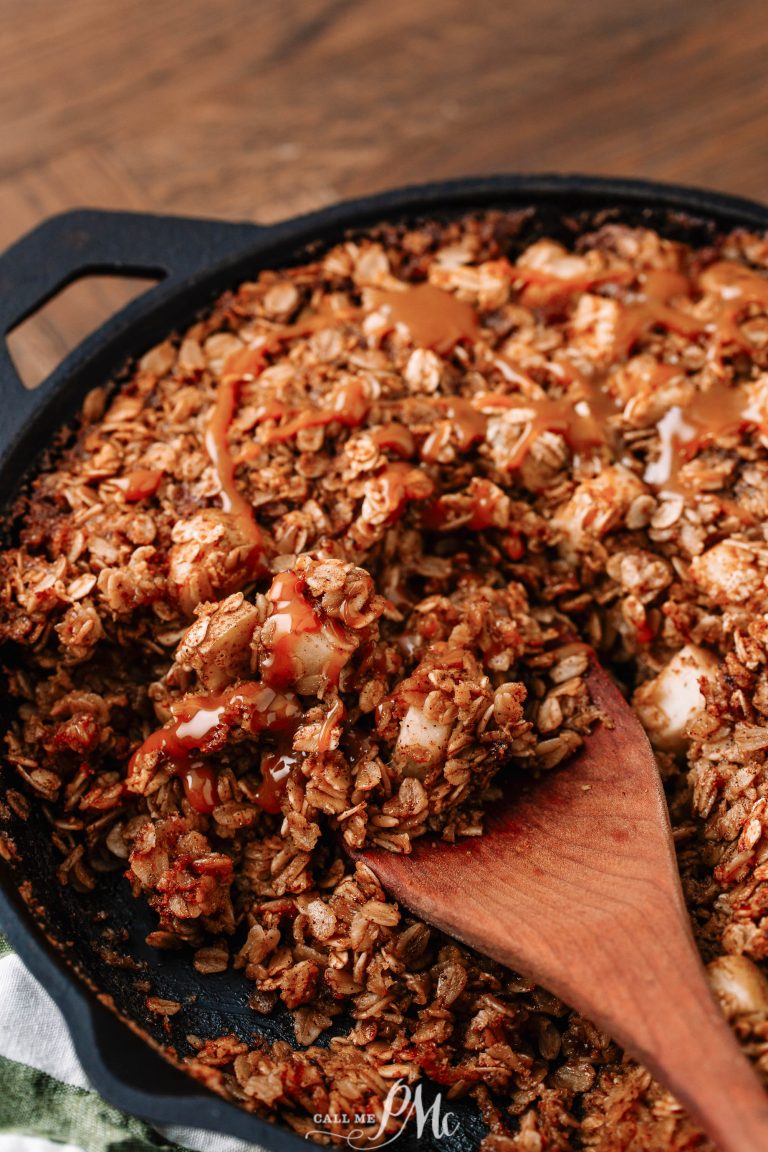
{"x":45,"y":1099}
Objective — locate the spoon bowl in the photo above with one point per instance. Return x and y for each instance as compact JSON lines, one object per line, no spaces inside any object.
{"x":575,"y":884}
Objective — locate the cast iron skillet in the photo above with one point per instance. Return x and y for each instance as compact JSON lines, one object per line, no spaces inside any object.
{"x":58,"y":933}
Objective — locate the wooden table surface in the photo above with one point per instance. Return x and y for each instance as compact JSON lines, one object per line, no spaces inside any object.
{"x":260,"y":109}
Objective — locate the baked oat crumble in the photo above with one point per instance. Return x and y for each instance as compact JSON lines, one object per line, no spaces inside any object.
{"x":309,"y":579}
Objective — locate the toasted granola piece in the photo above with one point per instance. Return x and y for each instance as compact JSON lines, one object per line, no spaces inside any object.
{"x":597,"y":507}
{"x":440,"y":713}
{"x":184,"y":879}
{"x":133,"y":585}
{"x":220,"y":647}
{"x":594,"y":326}
{"x":210,"y":557}
{"x":344,"y":591}
{"x":732,"y":572}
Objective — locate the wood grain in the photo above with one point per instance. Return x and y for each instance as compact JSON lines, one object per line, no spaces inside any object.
{"x":257,"y":111}
{"x":575,"y":884}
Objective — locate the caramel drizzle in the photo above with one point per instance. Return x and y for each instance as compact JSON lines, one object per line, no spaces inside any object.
{"x":479,"y":514}
{"x":400,"y":483}
{"x":396,"y":437}
{"x":721,"y":411}
{"x":275,"y":770}
{"x":735,"y":282}
{"x":683,"y":432}
{"x":217,"y":446}
{"x":581,"y":416}
{"x":257,"y":707}
{"x":200,"y":783}
{"x":333,"y":716}
{"x":659,"y":288}
{"x":582,"y":419}
{"x":738,"y":287}
{"x":196,"y":722}
{"x":349,"y":406}
{"x":541,"y":287}
{"x":437,"y":319}
{"x":245,"y":364}
{"x":139,"y":484}
{"x":434,"y":318}
{"x":293,"y":615}
{"x":463,"y":422}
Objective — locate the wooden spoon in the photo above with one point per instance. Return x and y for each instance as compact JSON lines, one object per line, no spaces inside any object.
{"x":575,"y":884}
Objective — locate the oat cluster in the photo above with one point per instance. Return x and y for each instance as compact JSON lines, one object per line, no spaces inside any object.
{"x":309,"y":578}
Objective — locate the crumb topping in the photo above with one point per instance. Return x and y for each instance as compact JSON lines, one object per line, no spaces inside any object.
{"x":309,"y":577}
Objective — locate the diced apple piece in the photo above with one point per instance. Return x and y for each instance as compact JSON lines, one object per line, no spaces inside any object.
{"x":668,"y":705}
{"x":421,"y":742}
{"x":218,"y":646}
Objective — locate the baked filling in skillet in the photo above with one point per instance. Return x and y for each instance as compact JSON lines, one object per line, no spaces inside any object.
{"x":309,"y":577}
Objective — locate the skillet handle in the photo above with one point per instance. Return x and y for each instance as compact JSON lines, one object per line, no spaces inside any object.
{"x":86,"y":241}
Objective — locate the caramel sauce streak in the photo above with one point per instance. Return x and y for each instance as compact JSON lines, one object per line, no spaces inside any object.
{"x":580,"y":416}
{"x":735,"y":282}
{"x":438,"y":319}
{"x":200,"y":787}
{"x":217,"y":446}
{"x":399,"y":483}
{"x":542,"y":287}
{"x":349,"y":406}
{"x":654,"y":310}
{"x":435,"y":318}
{"x":197,"y":719}
{"x":720,"y":411}
{"x":293,"y":616}
{"x":246,"y":363}
{"x":335,"y":713}
{"x":139,"y":484}
{"x":275,"y":770}
{"x":396,"y":437}
{"x":463,"y":423}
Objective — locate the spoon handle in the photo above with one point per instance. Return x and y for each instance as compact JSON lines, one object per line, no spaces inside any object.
{"x":655,"y":1000}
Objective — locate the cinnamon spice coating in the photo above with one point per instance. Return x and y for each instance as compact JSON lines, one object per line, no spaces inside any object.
{"x":308,"y":577}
